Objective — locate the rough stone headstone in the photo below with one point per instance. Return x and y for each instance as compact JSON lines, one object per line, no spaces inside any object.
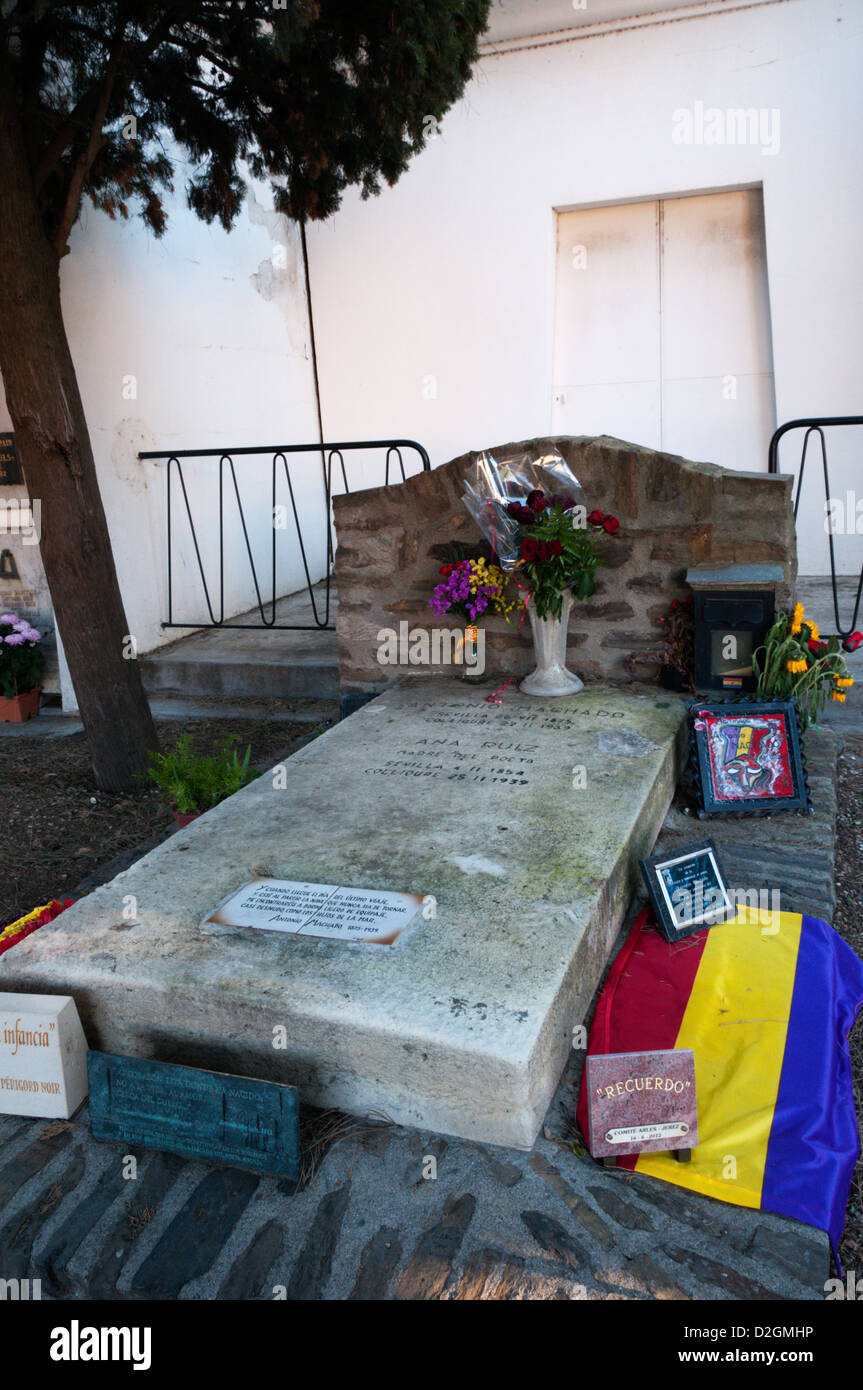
{"x":43,"y":1056}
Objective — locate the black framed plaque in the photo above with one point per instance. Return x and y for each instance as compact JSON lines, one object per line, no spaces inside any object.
{"x":10,"y":467}
{"x":747,"y":757}
{"x":687,"y":888}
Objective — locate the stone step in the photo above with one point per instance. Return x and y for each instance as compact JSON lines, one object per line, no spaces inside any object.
{"x":286,"y":675}
{"x":253,"y":662}
{"x":299,"y":710}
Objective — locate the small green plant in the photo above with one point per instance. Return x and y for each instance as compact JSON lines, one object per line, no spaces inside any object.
{"x":795,"y":661}
{"x":193,"y":782}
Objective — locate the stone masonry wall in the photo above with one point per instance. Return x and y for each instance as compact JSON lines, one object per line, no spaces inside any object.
{"x":673,"y":514}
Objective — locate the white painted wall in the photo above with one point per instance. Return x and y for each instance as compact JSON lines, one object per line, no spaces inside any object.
{"x":434,"y":303}
{"x":210,"y":333}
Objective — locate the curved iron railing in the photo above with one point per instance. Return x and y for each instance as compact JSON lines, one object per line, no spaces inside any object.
{"x":816,"y":427}
{"x":279,"y":455}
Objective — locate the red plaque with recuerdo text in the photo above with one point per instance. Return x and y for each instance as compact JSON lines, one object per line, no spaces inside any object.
{"x":641,"y":1102}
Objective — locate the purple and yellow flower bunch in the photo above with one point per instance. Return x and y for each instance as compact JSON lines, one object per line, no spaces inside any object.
{"x":470,"y":588}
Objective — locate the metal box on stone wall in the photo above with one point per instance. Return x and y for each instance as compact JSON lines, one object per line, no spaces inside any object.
{"x":734,"y":609}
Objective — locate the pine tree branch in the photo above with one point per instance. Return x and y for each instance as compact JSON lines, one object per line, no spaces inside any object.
{"x":80,"y":116}
{"x":84,"y":163}
{"x":64,"y":137}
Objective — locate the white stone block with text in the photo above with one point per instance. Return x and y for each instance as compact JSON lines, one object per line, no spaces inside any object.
{"x":43,"y":1056}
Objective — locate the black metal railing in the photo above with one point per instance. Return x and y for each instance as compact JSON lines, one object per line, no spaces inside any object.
{"x":278,"y":454}
{"x":816,"y":427}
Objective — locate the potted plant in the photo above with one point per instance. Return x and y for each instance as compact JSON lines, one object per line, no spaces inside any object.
{"x":795,"y":661}
{"x":194,"y":782}
{"x":22,"y":662}
{"x":558,"y":559}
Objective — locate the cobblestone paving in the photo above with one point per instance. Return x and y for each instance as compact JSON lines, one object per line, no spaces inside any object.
{"x":391,"y":1213}
{"x":374,"y":1224}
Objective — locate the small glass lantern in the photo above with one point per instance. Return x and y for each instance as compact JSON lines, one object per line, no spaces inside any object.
{"x":734,"y":608}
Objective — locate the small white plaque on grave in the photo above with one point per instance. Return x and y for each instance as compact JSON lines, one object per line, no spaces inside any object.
{"x":371,"y":915}
{"x":43,"y":1056}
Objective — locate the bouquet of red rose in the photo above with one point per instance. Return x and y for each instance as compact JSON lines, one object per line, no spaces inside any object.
{"x":557,"y":549}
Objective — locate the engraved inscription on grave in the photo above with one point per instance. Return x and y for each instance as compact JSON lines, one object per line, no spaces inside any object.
{"x":43,"y":1069}
{"x":482,"y":746}
{"x":641,"y":1102}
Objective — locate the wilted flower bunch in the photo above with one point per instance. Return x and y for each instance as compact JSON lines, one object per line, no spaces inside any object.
{"x":795,"y":661}
{"x":470,"y":588}
{"x":557,"y":547}
{"x":22,"y":660}
{"x":679,"y":649}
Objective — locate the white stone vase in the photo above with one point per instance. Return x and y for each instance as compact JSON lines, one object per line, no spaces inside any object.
{"x":549,"y":644}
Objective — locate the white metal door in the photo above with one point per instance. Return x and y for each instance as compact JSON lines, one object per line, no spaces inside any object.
{"x":662,"y":327}
{"x":607,"y":341}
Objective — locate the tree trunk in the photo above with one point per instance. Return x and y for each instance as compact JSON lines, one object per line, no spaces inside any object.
{"x":57,"y":459}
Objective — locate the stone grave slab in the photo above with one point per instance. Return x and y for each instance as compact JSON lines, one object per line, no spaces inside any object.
{"x":519,"y":826}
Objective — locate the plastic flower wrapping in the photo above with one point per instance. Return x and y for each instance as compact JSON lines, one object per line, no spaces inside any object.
{"x":499,"y":480}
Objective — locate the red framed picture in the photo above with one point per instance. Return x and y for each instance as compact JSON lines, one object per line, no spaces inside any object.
{"x":747,"y":757}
